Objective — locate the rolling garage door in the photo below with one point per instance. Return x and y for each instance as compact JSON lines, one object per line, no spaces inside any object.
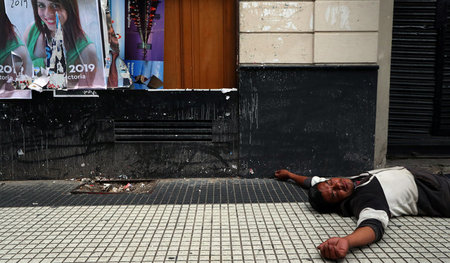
{"x":419,"y":118}
{"x":444,"y":125}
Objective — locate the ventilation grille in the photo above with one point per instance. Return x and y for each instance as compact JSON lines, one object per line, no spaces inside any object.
{"x":163,"y":131}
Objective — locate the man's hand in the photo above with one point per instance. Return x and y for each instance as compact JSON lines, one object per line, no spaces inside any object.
{"x":282,"y":174}
{"x":334,"y":248}
{"x":337,"y":247}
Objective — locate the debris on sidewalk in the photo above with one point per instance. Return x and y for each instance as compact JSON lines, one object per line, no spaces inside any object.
{"x":123,"y":177}
{"x":114,"y":186}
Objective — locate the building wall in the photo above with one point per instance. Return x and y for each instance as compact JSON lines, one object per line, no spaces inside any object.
{"x":173,"y":132}
{"x":307,"y":98}
{"x":322,"y":32}
{"x":309,"y":32}
{"x":384,"y":77}
{"x":140,"y":134}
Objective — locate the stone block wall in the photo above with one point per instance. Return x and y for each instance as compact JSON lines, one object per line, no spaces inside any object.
{"x":309,"y":32}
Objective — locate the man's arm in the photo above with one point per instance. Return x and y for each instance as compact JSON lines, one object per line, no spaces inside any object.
{"x":338,"y":247}
{"x":371,"y":225}
{"x":299,"y":179}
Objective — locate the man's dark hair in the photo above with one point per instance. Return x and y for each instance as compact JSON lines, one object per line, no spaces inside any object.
{"x":318,"y":203}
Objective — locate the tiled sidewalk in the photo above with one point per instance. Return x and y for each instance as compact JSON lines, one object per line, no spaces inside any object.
{"x":193,"y":221}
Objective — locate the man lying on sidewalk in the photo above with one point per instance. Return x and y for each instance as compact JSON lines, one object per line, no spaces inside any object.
{"x":374,"y":197}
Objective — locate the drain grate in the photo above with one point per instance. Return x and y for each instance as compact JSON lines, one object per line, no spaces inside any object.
{"x":163,"y":131}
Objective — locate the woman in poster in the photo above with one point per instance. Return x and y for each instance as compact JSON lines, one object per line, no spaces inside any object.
{"x":81,"y":58}
{"x":14,"y":58}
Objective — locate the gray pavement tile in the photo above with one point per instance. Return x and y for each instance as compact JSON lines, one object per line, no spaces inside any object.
{"x":190,"y":191}
{"x":257,"y":231}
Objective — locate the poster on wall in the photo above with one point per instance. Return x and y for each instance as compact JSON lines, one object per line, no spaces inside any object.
{"x":117,"y":73}
{"x":139,"y":27}
{"x":16,"y":69}
{"x":64,"y":41}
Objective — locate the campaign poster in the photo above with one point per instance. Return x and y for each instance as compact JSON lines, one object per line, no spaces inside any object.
{"x":16,"y":69}
{"x":7,"y":92}
{"x":117,"y":73}
{"x":140,"y":29}
{"x":117,"y":11}
{"x":64,"y":40}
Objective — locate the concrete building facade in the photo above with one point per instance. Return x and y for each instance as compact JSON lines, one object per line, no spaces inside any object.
{"x":312,"y":94}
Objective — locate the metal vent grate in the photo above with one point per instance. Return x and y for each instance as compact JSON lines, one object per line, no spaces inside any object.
{"x":162,"y":131}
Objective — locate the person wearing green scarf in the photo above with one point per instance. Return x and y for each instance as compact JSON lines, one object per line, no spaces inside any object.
{"x":81,"y":55}
{"x":14,"y":57}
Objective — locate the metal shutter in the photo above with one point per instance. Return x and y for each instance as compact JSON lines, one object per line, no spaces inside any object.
{"x":443,"y":122}
{"x":414,"y":113}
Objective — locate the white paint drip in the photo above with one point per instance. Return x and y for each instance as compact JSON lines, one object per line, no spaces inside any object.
{"x":267,"y":12}
{"x":252,"y":111}
{"x":281,"y":17}
{"x":338,"y":14}
{"x":225,"y":91}
{"x":291,"y":25}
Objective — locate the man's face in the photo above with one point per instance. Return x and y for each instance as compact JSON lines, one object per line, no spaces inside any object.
{"x":335,"y":190}
{"x":47,"y":12}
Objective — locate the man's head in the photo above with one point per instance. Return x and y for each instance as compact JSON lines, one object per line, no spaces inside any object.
{"x":325,"y":197}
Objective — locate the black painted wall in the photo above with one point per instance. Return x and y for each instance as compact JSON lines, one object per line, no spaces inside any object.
{"x":311,"y":120}
{"x":140,"y":134}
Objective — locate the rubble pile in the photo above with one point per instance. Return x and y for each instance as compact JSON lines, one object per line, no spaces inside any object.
{"x":101,"y":185}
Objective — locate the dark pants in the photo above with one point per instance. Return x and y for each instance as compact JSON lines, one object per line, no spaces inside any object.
{"x":434,"y":193}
